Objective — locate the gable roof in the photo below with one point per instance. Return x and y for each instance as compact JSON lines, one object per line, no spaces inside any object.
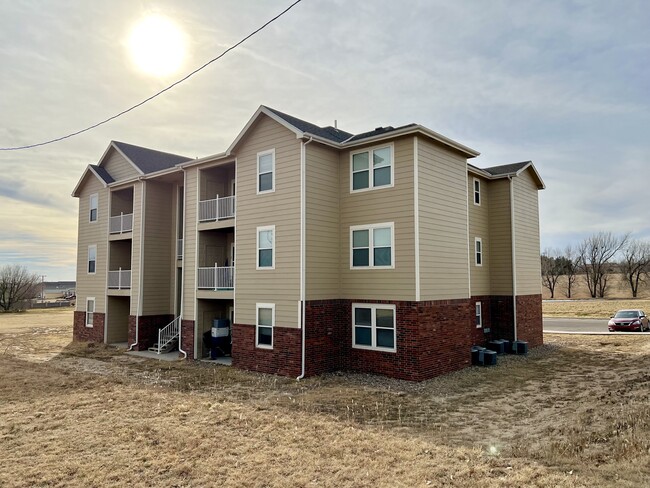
{"x":148,"y":160}
{"x":101,"y":173}
{"x":340,"y":139}
{"x":508,"y":170}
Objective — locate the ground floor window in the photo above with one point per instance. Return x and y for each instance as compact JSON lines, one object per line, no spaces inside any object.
{"x":264,"y":325}
{"x":373,"y":326}
{"x":90,"y":311}
{"x":479,"y":315}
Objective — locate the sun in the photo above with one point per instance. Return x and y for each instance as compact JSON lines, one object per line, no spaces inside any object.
{"x":157,"y":46}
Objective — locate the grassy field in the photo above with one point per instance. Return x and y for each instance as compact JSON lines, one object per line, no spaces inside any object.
{"x":573,"y":413}
{"x":593,"y":309}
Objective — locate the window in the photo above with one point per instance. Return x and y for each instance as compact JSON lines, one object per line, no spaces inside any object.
{"x":265,"y":247}
{"x":265,"y":171}
{"x":477,"y":191}
{"x":94,"y":199}
{"x":265,"y":322}
{"x":92,"y":259}
{"x":373,"y":326}
{"x":372,"y":246}
{"x":479,"y":316}
{"x":365,"y":176}
{"x":90,"y":311}
{"x":478,"y":251}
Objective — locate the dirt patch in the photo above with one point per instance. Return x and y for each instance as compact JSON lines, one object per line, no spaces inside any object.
{"x":572,"y":413}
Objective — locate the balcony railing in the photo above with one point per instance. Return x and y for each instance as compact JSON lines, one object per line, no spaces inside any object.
{"x":179,"y":248}
{"x":120,"y":279}
{"x":216,"y":278}
{"x":121,"y":223}
{"x":217,"y":209}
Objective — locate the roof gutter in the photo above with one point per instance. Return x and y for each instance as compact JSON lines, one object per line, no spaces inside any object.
{"x":303,"y":220}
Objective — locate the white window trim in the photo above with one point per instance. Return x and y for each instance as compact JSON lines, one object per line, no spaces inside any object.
{"x":257,"y":248}
{"x":474,"y":192}
{"x":257,"y":183}
{"x":370,"y":227}
{"x":90,"y":299}
{"x":370,"y":150}
{"x":479,"y":313}
{"x":90,"y":207}
{"x":479,"y":241}
{"x":257,"y":324}
{"x":373,"y":321}
{"x":94,"y":246}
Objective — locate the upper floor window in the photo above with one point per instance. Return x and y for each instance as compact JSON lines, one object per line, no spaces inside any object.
{"x":90,"y":311}
{"x":373,"y":326}
{"x":264,"y":325}
{"x":266,"y":171}
{"x":266,"y":247}
{"x":94,"y":204}
{"x":371,"y":168}
{"x":92,"y":259}
{"x":479,"y":315}
{"x":372,"y":246}
{"x":477,"y":191}
{"x":478,"y":251}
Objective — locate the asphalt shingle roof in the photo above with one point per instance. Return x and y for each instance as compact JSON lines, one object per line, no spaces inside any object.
{"x":150,"y":160}
{"x":103,"y":174}
{"x":378,"y":131}
{"x":329,"y":132}
{"x":506,"y":169}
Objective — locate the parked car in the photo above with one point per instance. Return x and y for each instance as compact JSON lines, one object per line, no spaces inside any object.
{"x":628,"y":320}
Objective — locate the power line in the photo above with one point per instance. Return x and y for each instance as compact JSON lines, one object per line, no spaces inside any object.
{"x":81,"y":131}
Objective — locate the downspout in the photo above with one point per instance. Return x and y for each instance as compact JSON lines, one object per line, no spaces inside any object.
{"x":514,"y":257}
{"x":139,"y":308}
{"x":303,"y":178}
{"x":180,"y":317}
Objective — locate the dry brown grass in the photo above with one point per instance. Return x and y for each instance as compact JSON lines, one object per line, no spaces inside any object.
{"x":618,"y":289}
{"x":593,"y":309}
{"x":574,"y":413}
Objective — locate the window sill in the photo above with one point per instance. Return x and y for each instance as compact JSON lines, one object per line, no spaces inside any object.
{"x":268,"y":348}
{"x":376,"y":349}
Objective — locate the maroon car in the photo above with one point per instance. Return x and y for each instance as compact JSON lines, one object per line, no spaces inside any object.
{"x":628,"y":320}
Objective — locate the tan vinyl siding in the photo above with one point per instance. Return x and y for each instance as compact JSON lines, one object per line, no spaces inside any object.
{"x":479,"y":227}
{"x":444,"y":272}
{"x":92,"y":233}
{"x":500,"y":238}
{"x":118,"y":167}
{"x":190,"y":236}
{"x":135,"y":248}
{"x":158,"y":279}
{"x":280,"y":208}
{"x":394,"y":204}
{"x":527,"y":235}
{"x":322,"y":223}
{"x":117,"y":319}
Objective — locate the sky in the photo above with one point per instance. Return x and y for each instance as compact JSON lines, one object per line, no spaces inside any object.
{"x":565,"y":84}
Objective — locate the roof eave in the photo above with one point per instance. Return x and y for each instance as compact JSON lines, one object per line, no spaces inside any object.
{"x":75,"y":192}
{"x":205,"y":159}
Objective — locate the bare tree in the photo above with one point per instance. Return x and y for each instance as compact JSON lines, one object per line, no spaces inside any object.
{"x":594,"y":256}
{"x":634,"y":264}
{"x":551,"y":270}
{"x":17,"y":284}
{"x":571,"y":268}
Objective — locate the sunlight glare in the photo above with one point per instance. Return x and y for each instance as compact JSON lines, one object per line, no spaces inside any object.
{"x":157,"y":46}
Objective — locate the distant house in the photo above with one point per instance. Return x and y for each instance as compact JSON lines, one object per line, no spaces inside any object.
{"x":56,"y":289}
{"x":382,"y":252}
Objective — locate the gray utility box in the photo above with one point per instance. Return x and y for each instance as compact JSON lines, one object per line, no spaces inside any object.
{"x":477,"y":355}
{"x":489,"y":358}
{"x":497,"y":346}
{"x":520,"y":347}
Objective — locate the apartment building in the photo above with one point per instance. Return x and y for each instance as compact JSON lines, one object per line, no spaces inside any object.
{"x":382,"y":252}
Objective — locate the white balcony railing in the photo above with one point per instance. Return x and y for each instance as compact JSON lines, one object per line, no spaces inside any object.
{"x":120,"y":279}
{"x":216,"y":278}
{"x":121,"y":223}
{"x":217,"y":209}
{"x":179,"y":248}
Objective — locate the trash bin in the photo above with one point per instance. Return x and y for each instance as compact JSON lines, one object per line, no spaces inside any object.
{"x":477,"y":355}
{"x":220,"y":338}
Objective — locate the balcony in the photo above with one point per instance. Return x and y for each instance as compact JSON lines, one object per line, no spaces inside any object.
{"x":217,"y":278}
{"x":217,"y":209}
{"x":121,"y":223}
{"x":120,"y":279}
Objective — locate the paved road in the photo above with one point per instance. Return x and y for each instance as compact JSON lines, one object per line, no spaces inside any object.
{"x":575,"y":325}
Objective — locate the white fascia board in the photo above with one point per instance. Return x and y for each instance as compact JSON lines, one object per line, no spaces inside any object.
{"x":75,"y":192}
{"x":530,"y":165}
{"x":114,"y":146}
{"x":205,"y":159}
{"x":262,"y":110}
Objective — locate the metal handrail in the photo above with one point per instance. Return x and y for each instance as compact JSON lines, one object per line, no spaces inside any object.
{"x":168,"y":333}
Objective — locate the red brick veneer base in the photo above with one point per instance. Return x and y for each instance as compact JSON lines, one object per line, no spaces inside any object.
{"x":187,"y":338}
{"x":148,"y":327}
{"x":284,"y":359}
{"x":88,"y":334}
{"x":529,"y":320}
